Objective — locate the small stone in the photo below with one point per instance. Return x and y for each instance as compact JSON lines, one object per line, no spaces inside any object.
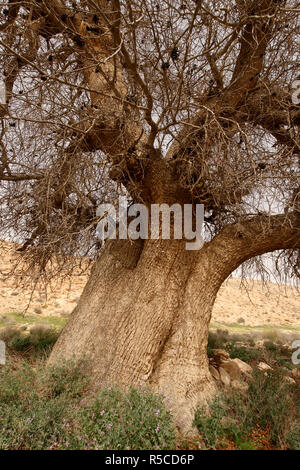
{"x":243,"y":366}
{"x":214,"y":372}
{"x":295,"y":373}
{"x":263,"y":366}
{"x":290,"y":380}
{"x":225,"y":377}
{"x":38,"y":311}
{"x":220,"y":353}
{"x":231,"y":368}
{"x":241,"y":320}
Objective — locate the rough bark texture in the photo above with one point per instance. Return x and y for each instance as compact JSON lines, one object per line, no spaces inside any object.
{"x":145,"y":311}
{"x":137,"y":322}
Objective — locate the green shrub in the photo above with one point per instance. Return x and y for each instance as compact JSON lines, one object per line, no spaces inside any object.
{"x":42,"y":425}
{"x":269,"y":404}
{"x":31,"y":415}
{"x":66,"y":379}
{"x":217,"y":340}
{"x":8,"y":333}
{"x":271,"y":346}
{"x":40,"y":339}
{"x":278,"y":353}
{"x":210,"y":425}
{"x":245,"y":445}
{"x":243,"y":353}
{"x":54,"y":408}
{"x":273,"y":406}
{"x":137,"y":419}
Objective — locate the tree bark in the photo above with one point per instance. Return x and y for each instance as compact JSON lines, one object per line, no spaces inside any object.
{"x":138,"y":320}
{"x":144,"y":314}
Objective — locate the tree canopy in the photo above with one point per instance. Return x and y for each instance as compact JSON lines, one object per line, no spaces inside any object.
{"x":170,"y":101}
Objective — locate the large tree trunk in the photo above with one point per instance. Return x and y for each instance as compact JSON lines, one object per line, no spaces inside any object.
{"x":143,"y":317}
{"x":145,"y":311}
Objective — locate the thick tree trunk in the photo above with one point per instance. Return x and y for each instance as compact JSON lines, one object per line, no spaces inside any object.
{"x":143,"y":317}
{"x":145,"y":311}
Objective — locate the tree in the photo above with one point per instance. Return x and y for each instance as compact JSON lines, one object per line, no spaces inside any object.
{"x":167,"y":102}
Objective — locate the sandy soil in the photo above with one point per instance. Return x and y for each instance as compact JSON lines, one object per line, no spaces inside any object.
{"x":258,"y":304}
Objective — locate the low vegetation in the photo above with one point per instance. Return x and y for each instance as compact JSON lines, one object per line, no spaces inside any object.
{"x":56,"y":408}
{"x":53,"y":408}
{"x":274,"y":352}
{"x":266,"y":416}
{"x":35,"y":342}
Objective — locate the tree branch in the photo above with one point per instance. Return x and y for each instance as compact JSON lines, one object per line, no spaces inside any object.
{"x":246,"y":239}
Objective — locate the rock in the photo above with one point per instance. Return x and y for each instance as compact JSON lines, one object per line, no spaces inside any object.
{"x":290,"y":380}
{"x":38,"y":310}
{"x":231,"y":368}
{"x":214,"y":372}
{"x":295,"y":373}
{"x":243,"y":366}
{"x":241,"y":344}
{"x":263,"y":366}
{"x":241,"y":320}
{"x":224,"y":376}
{"x":220,"y":353}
